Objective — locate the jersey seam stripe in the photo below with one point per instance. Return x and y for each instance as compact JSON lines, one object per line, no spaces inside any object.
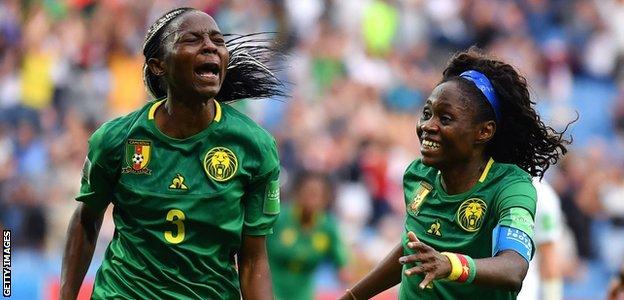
{"x":486,"y":170}
{"x":152,"y":110}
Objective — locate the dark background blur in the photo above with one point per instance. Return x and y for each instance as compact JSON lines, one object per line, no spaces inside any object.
{"x":360,"y":71}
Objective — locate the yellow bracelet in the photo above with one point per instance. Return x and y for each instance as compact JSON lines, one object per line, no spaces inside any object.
{"x":456,"y":266}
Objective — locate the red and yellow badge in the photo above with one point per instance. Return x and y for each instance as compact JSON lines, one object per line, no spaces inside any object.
{"x":137,"y":157}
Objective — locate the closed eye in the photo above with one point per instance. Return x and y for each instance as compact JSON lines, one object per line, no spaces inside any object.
{"x":190,"y":38}
{"x":218,"y":40}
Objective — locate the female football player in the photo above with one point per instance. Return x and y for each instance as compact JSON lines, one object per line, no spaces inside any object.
{"x":469,"y":199}
{"x":193,"y":182}
{"x":305,"y":236}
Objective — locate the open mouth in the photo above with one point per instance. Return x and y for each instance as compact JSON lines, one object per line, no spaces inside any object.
{"x":208,"y":70}
{"x":427,"y":144}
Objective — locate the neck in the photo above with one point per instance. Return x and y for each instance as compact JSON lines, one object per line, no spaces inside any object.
{"x":182,"y":119}
{"x":463,"y":177}
{"x":306,"y":216}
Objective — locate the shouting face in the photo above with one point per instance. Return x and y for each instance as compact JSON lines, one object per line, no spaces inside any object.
{"x":195,"y":58}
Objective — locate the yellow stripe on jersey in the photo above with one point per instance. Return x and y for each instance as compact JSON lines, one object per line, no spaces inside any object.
{"x":217,"y":117}
{"x":152,"y":110}
{"x":487,"y":169}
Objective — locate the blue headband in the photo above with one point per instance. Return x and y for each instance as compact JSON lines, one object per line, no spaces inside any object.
{"x":484,"y":84}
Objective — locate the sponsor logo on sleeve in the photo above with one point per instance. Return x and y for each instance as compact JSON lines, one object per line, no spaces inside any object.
{"x":272,"y":198}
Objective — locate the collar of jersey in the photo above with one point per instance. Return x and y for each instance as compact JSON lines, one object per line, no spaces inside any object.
{"x":482,"y":178}
{"x":152,"y":110}
{"x":150,"y":116}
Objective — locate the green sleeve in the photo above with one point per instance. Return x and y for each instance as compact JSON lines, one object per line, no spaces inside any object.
{"x":99,"y":172}
{"x":516,"y":207}
{"x":262,"y":198}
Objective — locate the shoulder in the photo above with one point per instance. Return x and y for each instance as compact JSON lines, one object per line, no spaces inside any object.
{"x":548,"y":200}
{"x":509,"y":177}
{"x":111,"y":134}
{"x":247,"y":127}
{"x":545,"y":192}
{"x":510,"y":172}
{"x":514,"y":186}
{"x":418,"y":170}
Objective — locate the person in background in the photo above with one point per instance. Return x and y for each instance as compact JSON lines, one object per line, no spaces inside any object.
{"x":194,"y":182}
{"x":305,"y":236}
{"x":544,"y":278}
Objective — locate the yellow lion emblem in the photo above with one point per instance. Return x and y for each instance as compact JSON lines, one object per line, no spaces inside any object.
{"x":470,"y":214}
{"x":220,"y":163}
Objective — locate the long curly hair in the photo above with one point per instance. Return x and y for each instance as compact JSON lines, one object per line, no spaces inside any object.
{"x":251,"y":71}
{"x":521,"y":136}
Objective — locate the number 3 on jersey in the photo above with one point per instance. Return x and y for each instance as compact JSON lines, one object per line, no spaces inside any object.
{"x":176,"y":217}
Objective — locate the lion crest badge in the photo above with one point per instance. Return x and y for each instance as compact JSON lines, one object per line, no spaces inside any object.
{"x":471,"y":213}
{"x":220,"y":164}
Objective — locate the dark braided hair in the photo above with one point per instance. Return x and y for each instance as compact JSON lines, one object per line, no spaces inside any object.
{"x":521,"y":136}
{"x":250,"y":72}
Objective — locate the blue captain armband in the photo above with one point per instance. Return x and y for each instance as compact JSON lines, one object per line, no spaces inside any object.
{"x":509,"y":238}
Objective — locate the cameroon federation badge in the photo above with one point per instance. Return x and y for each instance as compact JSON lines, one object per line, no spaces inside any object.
{"x":423,"y":190}
{"x":137,"y":157}
{"x":471,"y":213}
{"x":220,"y":164}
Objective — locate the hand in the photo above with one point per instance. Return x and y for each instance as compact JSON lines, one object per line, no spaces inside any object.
{"x":433,"y":264}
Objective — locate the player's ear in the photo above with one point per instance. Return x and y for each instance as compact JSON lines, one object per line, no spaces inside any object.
{"x":485,"y":132}
{"x":156,"y":66}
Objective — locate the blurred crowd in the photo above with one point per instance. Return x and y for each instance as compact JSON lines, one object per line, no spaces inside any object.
{"x":358,"y":72}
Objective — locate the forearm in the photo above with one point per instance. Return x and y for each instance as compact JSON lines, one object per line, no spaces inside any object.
{"x":254,"y":272}
{"x":549,"y":261}
{"x":82,"y":235}
{"x":505,"y":271}
{"x":384,"y":276}
{"x":550,"y":271}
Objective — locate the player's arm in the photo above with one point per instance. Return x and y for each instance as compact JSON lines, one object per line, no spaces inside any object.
{"x":384,"y":276}
{"x":506,"y":270}
{"x":96,"y":191}
{"x":254,"y":273}
{"x":512,"y":247}
{"x":82,"y":234}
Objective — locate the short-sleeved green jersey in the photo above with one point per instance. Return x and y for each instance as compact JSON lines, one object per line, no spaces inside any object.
{"x":295,"y":252}
{"x":463,"y":223}
{"x":181,"y":206}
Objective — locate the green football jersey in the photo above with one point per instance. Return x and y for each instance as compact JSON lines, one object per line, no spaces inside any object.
{"x":181,"y":206}
{"x":295,"y":253}
{"x":463,"y":223}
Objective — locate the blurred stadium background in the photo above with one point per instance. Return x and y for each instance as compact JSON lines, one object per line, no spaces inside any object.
{"x":360,"y":71}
